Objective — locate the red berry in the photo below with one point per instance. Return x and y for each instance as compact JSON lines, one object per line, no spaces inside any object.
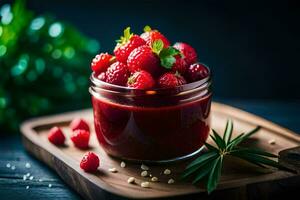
{"x":169,"y":80}
{"x":122,"y":50}
{"x":101,"y":62}
{"x":79,"y":123}
{"x":102,"y":76}
{"x":141,"y":80}
{"x":117,"y":74}
{"x":152,"y":35}
{"x":90,"y":162}
{"x":190,"y":55}
{"x":197,"y":72}
{"x":56,"y":136}
{"x":81,"y":138}
{"x":142,"y":58}
{"x":180,"y":65}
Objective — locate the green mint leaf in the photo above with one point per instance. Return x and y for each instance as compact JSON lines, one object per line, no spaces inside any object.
{"x":147,"y":28}
{"x":167,"y":62}
{"x":157,"y":46}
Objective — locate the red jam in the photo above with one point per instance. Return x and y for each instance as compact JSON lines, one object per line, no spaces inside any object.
{"x":151,"y":127}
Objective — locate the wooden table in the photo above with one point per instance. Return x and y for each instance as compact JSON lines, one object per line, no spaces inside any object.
{"x":12,"y":185}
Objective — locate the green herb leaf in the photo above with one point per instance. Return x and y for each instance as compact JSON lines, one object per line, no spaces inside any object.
{"x":214,"y":175}
{"x":228,"y":131}
{"x":218,"y":140}
{"x":210,"y":147}
{"x":203,"y":172}
{"x":157,"y":46}
{"x":254,"y":151}
{"x":167,"y":58}
{"x":202,"y":158}
{"x":147,"y":28}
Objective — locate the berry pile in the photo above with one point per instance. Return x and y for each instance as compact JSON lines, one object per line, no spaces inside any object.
{"x":148,"y":61}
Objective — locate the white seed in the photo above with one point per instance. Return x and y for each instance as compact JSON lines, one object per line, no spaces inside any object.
{"x":123,"y":164}
{"x":8,"y":165}
{"x":50,"y":185}
{"x":167,"y":171}
{"x":27,"y":187}
{"x":131,"y":180}
{"x":13,"y":167}
{"x":272,"y":142}
{"x":145,"y":184}
{"x":24,"y":177}
{"x":154,"y":179}
{"x":27,"y":165}
{"x":31,"y":178}
{"x":150,"y":175}
{"x":28,"y":174}
{"x":144,"y":173}
{"x":40,"y":180}
{"x":171,"y":181}
{"x":113,"y":170}
{"x":144,"y":167}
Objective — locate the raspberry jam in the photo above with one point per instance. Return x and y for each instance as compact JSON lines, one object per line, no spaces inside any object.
{"x":156,"y":125}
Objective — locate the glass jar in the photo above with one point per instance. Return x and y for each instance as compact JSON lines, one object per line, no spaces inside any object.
{"x":159,"y":125}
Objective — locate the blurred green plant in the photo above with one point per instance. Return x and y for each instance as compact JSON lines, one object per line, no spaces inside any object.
{"x":44,"y":65}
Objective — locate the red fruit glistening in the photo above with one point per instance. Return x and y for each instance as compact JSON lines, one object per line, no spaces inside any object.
{"x":141,"y":80}
{"x":180,"y":65}
{"x":102,"y":76}
{"x":142,"y":58}
{"x":197,"y":72}
{"x":117,"y":74}
{"x":190,"y":55}
{"x":126,"y":44}
{"x":151,"y":35}
{"x":90,"y":162}
{"x":79,"y":123}
{"x":56,"y":136}
{"x":101,"y":62}
{"x":169,"y":80}
{"x":81,"y":138}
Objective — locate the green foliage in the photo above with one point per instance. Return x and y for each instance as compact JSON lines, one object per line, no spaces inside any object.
{"x":44,"y":65}
{"x":209,"y":165}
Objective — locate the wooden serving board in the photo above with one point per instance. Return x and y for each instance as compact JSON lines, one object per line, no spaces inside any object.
{"x":236,"y":174}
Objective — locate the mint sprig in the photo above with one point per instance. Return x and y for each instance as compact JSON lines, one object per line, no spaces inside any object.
{"x":208,"y":166}
{"x":166,"y":55}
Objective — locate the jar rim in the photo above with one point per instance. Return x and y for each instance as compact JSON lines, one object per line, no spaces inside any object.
{"x":201,"y":84}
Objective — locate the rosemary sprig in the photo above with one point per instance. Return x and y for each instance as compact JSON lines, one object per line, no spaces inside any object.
{"x":208,"y":166}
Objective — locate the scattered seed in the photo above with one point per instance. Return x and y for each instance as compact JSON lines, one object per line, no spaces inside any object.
{"x":154,"y":179}
{"x":171,"y":181}
{"x":167,"y":171}
{"x":144,"y":167}
{"x":24,"y":177}
{"x":272,"y":142}
{"x":27,"y":165}
{"x":8,"y":165}
{"x":131,"y":180}
{"x":28,"y":174}
{"x":123,"y":164}
{"x":145,"y":184}
{"x":31,"y":178}
{"x":150,"y":175}
{"x":144,"y":173}
{"x":13,"y":167}
{"x":40,"y":180}
{"x":50,"y":185}
{"x":113,"y":170}
{"x":27,"y":187}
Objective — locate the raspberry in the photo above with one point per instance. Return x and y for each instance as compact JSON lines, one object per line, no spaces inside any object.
{"x":90,"y":162}
{"x":117,"y":74}
{"x":151,"y":35}
{"x":180,"y":65}
{"x":197,"y":72}
{"x":190,"y":55}
{"x":81,"y":138}
{"x":142,"y":58}
{"x":101,"y":62}
{"x":141,"y":80}
{"x":169,"y":80}
{"x":122,"y":50}
{"x":56,"y":136}
{"x":79,"y":123}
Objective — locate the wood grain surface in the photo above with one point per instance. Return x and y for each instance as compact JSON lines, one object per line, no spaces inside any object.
{"x":236,"y":176}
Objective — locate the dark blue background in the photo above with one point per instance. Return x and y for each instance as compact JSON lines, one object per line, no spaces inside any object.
{"x":252,"y":47}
